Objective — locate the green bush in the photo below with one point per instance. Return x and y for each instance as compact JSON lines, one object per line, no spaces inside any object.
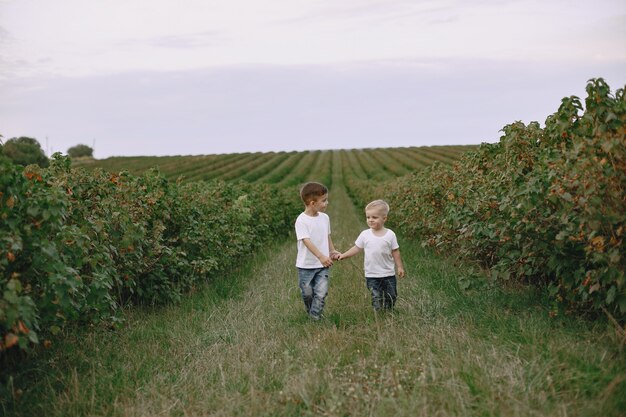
{"x":544,"y":206}
{"x":76,"y":246}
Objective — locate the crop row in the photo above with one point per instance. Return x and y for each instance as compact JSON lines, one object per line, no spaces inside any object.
{"x":76,"y":246}
{"x":364,"y":169}
{"x":285,"y":168}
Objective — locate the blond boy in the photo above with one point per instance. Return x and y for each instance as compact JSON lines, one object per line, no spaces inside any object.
{"x":382,"y":256}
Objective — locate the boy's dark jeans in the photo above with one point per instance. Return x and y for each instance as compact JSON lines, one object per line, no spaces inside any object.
{"x":313,"y":284}
{"x":384,"y":292}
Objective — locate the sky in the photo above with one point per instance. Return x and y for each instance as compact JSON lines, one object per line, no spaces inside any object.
{"x":190,"y":77}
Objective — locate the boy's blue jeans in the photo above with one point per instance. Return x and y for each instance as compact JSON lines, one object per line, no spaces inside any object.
{"x":314,"y":287}
{"x":384,"y":292}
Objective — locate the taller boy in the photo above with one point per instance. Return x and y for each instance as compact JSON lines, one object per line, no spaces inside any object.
{"x":315,"y":248}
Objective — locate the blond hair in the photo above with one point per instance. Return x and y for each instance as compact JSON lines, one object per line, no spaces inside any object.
{"x":381,"y":204}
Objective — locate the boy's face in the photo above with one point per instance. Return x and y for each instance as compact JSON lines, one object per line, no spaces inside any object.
{"x":319,"y":204}
{"x":375,"y":218}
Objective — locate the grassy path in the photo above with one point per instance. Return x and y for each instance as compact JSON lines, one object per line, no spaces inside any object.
{"x":244,"y":347}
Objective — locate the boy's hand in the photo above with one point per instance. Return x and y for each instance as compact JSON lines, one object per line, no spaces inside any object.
{"x":326,"y":261}
{"x":335,"y":255}
{"x":401,"y":272}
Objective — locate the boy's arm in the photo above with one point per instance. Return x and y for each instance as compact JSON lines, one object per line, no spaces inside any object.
{"x":398,"y":260}
{"x":325,"y":260}
{"x":350,"y":252}
{"x":334,"y":253}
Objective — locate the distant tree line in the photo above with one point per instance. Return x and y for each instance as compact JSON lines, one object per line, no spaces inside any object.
{"x":26,"y":151}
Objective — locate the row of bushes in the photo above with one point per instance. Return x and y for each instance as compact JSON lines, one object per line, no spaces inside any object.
{"x":543,"y":205}
{"x":77,"y":246}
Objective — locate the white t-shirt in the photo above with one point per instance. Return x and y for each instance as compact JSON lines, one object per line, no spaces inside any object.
{"x":378,"y":261}
{"x":316,"y":228}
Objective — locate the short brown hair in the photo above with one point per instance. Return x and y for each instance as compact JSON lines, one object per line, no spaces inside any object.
{"x":312,"y":191}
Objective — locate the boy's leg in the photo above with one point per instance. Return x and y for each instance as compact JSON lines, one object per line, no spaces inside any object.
{"x":375,"y":287}
{"x":320,"y":291}
{"x":305,"y":278}
{"x":390,"y":292}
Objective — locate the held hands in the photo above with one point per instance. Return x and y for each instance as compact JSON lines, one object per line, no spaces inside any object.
{"x":401,"y":272}
{"x":326,"y":261}
{"x":350,"y":252}
{"x":345,"y":255}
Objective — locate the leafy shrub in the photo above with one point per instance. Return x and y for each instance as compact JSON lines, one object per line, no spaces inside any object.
{"x":76,"y":246}
{"x":545,"y":206}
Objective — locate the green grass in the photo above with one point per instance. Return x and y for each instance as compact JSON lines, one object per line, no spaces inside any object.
{"x":243,"y":346}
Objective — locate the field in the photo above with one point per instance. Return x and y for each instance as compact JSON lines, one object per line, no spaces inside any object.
{"x":242,"y":345}
{"x":283,"y":168}
{"x":132,"y":291}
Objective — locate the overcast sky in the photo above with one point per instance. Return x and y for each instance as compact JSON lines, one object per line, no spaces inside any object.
{"x":171,"y":77}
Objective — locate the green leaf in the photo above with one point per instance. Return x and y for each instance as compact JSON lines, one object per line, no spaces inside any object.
{"x":622,"y":303}
{"x":610,"y":295}
{"x":14,"y":285}
{"x":32,"y":336}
